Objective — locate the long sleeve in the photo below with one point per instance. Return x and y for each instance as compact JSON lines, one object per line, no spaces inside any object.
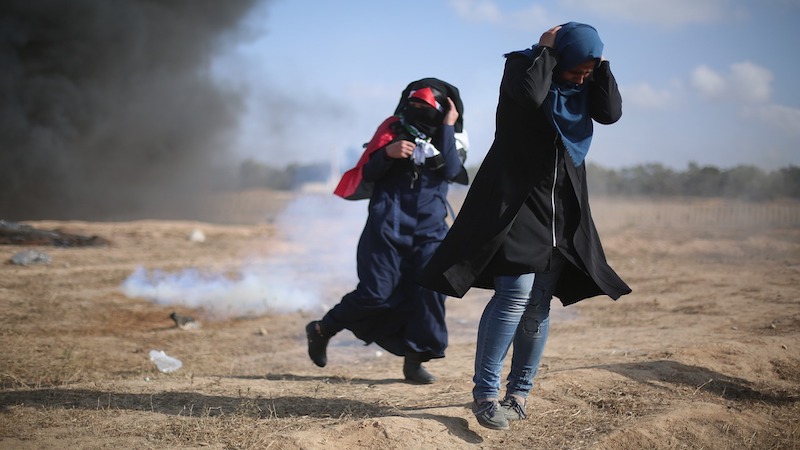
{"x":605,"y":101}
{"x":377,"y":166}
{"x":527,"y":81}
{"x":453,"y":165}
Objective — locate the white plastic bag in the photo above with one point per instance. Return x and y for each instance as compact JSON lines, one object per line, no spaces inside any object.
{"x":164,"y":362}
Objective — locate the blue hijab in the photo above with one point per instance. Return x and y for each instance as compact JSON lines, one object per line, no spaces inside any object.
{"x":567,"y":104}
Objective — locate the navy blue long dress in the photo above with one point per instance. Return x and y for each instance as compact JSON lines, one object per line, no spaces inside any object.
{"x":406,"y":223}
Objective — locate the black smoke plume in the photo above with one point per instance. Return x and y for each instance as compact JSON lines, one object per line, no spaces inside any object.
{"x":108,"y":109}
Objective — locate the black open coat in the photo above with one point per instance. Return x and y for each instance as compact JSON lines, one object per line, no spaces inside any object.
{"x":528,"y":168}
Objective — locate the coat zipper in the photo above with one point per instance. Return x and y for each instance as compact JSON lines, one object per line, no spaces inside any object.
{"x":553,"y":190}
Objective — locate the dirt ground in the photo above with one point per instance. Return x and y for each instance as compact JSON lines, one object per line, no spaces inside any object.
{"x":704,"y":354}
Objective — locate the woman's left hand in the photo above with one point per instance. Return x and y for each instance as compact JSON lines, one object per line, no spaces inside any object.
{"x":452,"y":113}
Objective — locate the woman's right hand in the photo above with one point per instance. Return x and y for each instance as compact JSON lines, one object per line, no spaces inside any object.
{"x":400,"y":149}
{"x":548,"y":38}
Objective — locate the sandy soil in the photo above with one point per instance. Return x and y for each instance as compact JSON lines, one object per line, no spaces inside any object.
{"x":703,"y":354}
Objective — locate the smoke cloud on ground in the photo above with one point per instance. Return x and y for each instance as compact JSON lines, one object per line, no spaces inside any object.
{"x":320,"y":267}
{"x":109,"y":108}
{"x":257,"y":289}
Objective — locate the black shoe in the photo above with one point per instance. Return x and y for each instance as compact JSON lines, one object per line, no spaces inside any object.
{"x":317,"y":344}
{"x":414,"y":372}
{"x":512,"y":408}
{"x":489,"y":415}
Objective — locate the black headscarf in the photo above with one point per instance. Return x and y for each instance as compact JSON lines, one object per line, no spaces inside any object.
{"x":442,"y":89}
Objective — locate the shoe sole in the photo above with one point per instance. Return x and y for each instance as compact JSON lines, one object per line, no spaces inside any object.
{"x":413,"y":381}
{"x":491,"y":426}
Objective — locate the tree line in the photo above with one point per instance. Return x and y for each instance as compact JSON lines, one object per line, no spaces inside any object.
{"x":743,"y":182}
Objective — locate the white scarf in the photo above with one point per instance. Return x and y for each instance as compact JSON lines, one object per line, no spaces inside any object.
{"x":423,"y":151}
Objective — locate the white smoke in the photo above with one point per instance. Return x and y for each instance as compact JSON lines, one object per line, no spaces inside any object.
{"x":250,"y":291}
{"x":323,"y":231}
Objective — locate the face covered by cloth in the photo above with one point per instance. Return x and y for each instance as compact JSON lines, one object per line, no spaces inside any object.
{"x":422,"y":116}
{"x":423,"y":111}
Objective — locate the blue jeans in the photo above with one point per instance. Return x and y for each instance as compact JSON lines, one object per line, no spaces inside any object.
{"x":519,"y":312}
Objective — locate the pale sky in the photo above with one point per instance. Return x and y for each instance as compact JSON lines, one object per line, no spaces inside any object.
{"x":707,"y":81}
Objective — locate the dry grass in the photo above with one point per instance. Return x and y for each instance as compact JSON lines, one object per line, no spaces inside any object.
{"x":702,"y":355}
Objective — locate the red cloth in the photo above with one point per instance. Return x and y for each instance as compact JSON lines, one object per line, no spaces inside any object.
{"x":352,"y":185}
{"x":426,"y":95}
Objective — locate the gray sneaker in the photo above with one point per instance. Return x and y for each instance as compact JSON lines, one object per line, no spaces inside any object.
{"x":512,"y":408}
{"x":489,"y":415}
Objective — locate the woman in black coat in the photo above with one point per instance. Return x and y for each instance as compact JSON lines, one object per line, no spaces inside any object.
{"x":525,"y":228}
